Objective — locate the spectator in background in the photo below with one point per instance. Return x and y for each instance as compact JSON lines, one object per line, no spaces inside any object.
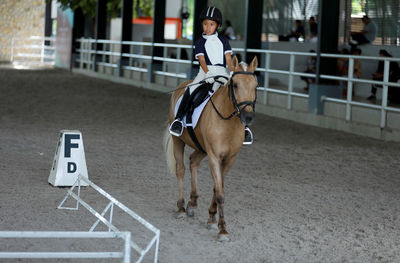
{"x":311,"y":68}
{"x":299,"y":32}
{"x":343,"y":66}
{"x":357,"y":63}
{"x":343,"y":63}
{"x":294,"y":35}
{"x":394,"y":92}
{"x":378,"y":75}
{"x":367,"y":35}
{"x":228,"y":31}
{"x":313,"y":30}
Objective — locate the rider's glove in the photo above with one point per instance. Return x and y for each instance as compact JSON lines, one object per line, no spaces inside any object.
{"x":230,"y":74}
{"x":209,"y":78}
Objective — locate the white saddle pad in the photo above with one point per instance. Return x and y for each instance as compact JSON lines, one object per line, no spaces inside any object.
{"x":196,"y":113}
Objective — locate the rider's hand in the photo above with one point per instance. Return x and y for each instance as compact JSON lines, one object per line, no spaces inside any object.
{"x":230,"y":74}
{"x":209,"y":78}
{"x":222,"y":80}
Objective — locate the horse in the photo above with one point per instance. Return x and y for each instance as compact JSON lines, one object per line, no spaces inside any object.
{"x":220,"y":132}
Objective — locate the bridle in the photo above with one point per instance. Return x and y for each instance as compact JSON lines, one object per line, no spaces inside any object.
{"x":238,"y":107}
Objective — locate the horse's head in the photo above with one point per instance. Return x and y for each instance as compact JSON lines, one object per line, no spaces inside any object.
{"x":243,"y":89}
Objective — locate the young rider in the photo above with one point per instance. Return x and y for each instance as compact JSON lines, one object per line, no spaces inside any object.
{"x":214,"y":53}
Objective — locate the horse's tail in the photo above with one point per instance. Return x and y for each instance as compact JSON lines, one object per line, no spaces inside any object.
{"x":169,"y":151}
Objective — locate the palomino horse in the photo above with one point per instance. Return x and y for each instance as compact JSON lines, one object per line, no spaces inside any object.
{"x":221,"y":139}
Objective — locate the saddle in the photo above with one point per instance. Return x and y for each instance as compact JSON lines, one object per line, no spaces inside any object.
{"x":196,"y":99}
{"x":199,"y":96}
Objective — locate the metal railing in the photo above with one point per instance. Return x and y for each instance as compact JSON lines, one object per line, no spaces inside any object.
{"x":125,"y":254}
{"x":88,"y":54}
{"x":33,"y":49}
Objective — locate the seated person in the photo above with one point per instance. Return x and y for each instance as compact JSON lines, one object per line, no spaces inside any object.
{"x":378,"y":75}
{"x":229,"y":33}
{"x":367,"y":35}
{"x":294,"y":35}
{"x":343,"y":66}
{"x":299,"y":32}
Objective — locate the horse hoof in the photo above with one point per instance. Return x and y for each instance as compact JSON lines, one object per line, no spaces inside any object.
{"x":189,"y":211}
{"x":223,"y":238}
{"x":180,"y":215}
{"x":212,"y":226}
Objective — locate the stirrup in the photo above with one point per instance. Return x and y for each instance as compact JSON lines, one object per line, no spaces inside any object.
{"x":176,"y":128}
{"x":248,"y":136}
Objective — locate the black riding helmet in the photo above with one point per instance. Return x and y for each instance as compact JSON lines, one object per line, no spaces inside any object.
{"x":211,"y":13}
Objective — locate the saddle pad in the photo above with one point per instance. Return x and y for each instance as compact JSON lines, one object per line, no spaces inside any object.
{"x":196,"y":113}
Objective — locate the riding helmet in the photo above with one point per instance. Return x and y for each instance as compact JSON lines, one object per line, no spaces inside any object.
{"x":211,"y":13}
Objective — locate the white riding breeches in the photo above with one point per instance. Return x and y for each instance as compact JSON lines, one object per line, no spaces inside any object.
{"x":215,"y":70}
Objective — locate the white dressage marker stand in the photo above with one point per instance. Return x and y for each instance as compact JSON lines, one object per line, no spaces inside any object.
{"x":100,"y":216}
{"x":69,"y":160}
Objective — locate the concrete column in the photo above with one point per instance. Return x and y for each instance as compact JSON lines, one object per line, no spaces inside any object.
{"x":252,"y":35}
{"x":79,"y":27}
{"x":328,"y":36}
{"x":158,"y":25}
{"x":126,"y":32}
{"x":126,"y":15}
{"x":199,"y":5}
{"x":158,"y":36}
{"x":100,"y":27}
{"x":101,"y":21}
{"x":48,"y":22}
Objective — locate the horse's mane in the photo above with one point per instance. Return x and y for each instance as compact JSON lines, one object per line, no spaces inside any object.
{"x":243,"y":65}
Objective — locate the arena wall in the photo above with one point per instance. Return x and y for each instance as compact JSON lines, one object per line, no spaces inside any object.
{"x":20,"y":18}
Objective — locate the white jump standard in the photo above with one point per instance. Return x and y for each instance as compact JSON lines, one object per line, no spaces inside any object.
{"x":100,"y":216}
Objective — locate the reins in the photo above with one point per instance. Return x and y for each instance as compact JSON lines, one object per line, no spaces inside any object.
{"x":231,"y":92}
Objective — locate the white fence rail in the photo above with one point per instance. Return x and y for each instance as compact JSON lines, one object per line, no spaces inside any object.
{"x":110,"y":207}
{"x":138,"y":59}
{"x":33,"y":49}
{"x":125,"y":255}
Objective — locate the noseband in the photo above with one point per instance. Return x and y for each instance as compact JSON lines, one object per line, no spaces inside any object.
{"x":237,"y":106}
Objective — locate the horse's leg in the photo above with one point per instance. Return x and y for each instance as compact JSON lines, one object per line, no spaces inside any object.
{"x":212,"y":222}
{"x":179,"y":147}
{"x":195,"y":159}
{"x":226,"y":166}
{"x":219,"y":196}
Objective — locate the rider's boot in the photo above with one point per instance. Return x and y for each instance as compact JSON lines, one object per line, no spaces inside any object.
{"x":248,"y":136}
{"x":176,"y":127}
